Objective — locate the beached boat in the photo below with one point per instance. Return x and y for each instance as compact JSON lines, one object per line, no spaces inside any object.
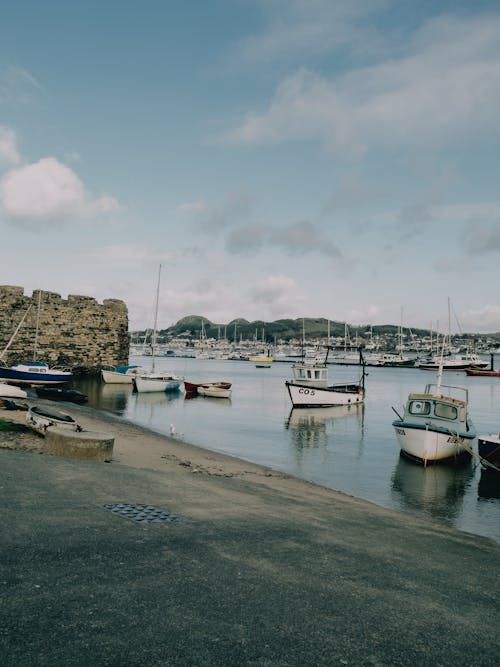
{"x":11,"y":391}
{"x":61,"y":394}
{"x":120,"y":374}
{"x":34,"y":373}
{"x":435,"y":425}
{"x":214,"y":391}
{"x":309,"y":386}
{"x":40,"y":419}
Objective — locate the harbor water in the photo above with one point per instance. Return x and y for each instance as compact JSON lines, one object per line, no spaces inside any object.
{"x":352,"y":449}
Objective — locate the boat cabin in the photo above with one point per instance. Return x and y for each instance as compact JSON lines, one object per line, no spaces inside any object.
{"x":312,"y":375}
{"x":437,"y":409}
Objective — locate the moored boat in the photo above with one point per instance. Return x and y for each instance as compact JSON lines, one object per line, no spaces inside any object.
{"x":61,"y":394}
{"x":34,"y":373}
{"x":150,"y":382}
{"x":436,"y":425}
{"x":482,"y":373}
{"x":120,"y":374}
{"x":214,"y":391}
{"x":309,"y":386}
{"x":488,"y":447}
{"x":192,"y":387}
{"x":454,"y":362}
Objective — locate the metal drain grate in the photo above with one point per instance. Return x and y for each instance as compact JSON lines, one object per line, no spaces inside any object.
{"x":143,"y":513}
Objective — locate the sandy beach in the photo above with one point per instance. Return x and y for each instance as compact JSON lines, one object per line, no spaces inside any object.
{"x":263,"y":569}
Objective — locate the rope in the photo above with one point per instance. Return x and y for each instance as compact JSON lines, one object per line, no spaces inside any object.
{"x":482,"y":460}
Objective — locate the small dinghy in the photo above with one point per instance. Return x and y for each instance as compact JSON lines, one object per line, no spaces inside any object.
{"x":61,"y":394}
{"x":40,"y":419}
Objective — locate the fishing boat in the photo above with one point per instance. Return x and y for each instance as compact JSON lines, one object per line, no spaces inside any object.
{"x":152,"y":381}
{"x":214,"y":391}
{"x":454,"y":362}
{"x":435,"y":425}
{"x":40,"y":419}
{"x":309,"y":386}
{"x":120,"y":374}
{"x":61,"y":394}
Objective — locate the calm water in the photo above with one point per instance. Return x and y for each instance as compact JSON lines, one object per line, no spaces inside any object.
{"x":352,"y":450}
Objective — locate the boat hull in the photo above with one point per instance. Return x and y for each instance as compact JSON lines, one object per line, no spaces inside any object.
{"x":148,"y":384}
{"x":214,"y":391}
{"x":40,"y":419}
{"x":429,"y":444}
{"x":15,"y":375}
{"x":488,"y":447}
{"x":114,"y":377}
{"x":305,"y":396}
{"x":11,"y":391}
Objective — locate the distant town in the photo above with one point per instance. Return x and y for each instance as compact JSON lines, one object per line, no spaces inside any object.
{"x":197,"y":336}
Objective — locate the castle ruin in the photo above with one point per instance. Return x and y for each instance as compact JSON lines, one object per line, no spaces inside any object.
{"x":78,"y":332}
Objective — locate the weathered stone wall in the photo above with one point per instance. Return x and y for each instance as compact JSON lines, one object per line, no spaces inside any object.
{"x":77,"y":332}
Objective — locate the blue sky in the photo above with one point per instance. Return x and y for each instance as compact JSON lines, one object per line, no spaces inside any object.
{"x":279,"y":158}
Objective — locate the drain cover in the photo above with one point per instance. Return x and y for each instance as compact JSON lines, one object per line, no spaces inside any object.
{"x":142,"y":513}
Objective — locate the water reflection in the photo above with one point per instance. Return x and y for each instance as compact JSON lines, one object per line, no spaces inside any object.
{"x":437,"y":490}
{"x":309,"y":427}
{"x":489,"y":484}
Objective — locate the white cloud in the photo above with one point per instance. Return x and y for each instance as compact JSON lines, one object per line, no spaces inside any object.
{"x":446,"y":88}
{"x":47,"y":192}
{"x":8,"y":146}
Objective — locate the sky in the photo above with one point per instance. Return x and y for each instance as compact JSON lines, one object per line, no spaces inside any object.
{"x":278,"y":158}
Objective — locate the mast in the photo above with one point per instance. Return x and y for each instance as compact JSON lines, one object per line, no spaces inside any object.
{"x":153,"y":341}
{"x":37,"y":323}
{"x":15,"y":333}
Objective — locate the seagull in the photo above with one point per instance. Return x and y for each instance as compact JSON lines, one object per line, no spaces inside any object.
{"x":174,"y":432}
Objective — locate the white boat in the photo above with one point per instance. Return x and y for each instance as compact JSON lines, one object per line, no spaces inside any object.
{"x":34,"y":373}
{"x":120,"y":374}
{"x":213,"y":390}
{"x":309,"y":387}
{"x":435,"y":425}
{"x":40,"y":419}
{"x":149,"y":381}
{"x":11,"y":391}
{"x":454,"y":362}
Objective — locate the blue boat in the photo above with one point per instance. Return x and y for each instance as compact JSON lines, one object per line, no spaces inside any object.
{"x":34,"y":373}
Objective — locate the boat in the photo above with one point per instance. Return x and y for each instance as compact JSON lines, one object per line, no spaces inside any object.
{"x":152,"y":381}
{"x":309,"y":387}
{"x":192,"y":387}
{"x":61,"y":394}
{"x":482,"y":373}
{"x":11,"y":391}
{"x":391,"y":360}
{"x":34,"y":373}
{"x":214,"y":391}
{"x":454,"y":362}
{"x":488,"y":447}
{"x":436,"y":425}
{"x":120,"y":374}
{"x":40,"y":419}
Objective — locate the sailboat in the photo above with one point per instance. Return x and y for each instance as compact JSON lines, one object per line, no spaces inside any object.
{"x":32,"y":372}
{"x":152,"y":381}
{"x":436,"y":425}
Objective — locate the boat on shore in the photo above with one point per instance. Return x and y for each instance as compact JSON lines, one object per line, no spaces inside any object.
{"x":40,"y":419}
{"x":309,"y":387}
{"x":11,"y":391}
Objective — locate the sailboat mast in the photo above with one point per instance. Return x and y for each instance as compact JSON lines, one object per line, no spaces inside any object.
{"x":153,"y":350}
{"x":37,"y":324}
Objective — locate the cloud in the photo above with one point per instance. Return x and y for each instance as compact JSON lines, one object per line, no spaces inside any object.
{"x":484,"y":319}
{"x":48,"y":192}
{"x":17,"y":86}
{"x":444,"y":89}
{"x":8,"y":147}
{"x":193,"y":207}
{"x":279,"y":293}
{"x":247,"y":239}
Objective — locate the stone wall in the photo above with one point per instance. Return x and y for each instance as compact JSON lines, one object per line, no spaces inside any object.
{"x":77,"y":332}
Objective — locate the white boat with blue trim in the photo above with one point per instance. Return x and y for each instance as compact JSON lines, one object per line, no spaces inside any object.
{"x":34,"y":373}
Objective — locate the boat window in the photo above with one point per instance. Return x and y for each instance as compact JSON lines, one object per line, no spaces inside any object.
{"x":445,"y":411}
{"x":419,"y":408}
